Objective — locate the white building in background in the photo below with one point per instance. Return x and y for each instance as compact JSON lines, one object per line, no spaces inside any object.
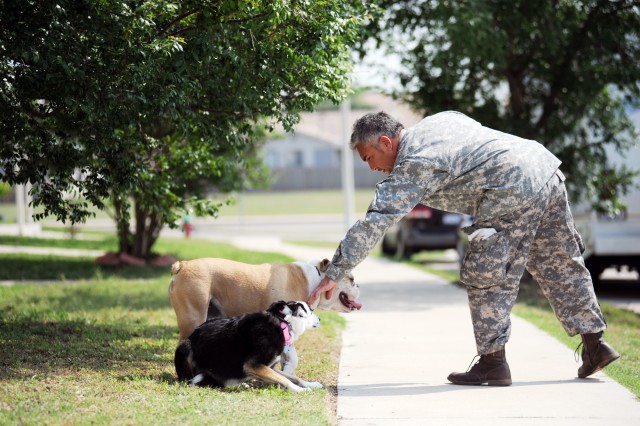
{"x":310,"y":158}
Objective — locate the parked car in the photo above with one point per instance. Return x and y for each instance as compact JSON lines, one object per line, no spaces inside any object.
{"x":424,"y":228}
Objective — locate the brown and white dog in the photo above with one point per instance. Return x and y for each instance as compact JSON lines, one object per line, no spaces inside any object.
{"x":210,"y":287}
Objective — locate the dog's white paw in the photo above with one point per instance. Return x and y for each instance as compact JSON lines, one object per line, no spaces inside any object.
{"x":197,"y":379}
{"x":313,"y":385}
{"x":297,"y":389}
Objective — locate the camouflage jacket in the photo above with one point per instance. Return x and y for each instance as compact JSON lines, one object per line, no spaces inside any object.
{"x":450,"y":162}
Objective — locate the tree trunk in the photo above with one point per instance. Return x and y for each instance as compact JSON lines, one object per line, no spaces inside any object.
{"x":122,"y":225}
{"x":517,"y":99}
{"x":148,"y":227}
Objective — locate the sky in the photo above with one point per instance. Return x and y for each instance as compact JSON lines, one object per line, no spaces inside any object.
{"x":377,"y":70}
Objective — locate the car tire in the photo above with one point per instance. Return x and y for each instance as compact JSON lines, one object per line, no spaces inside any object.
{"x":387,"y":250}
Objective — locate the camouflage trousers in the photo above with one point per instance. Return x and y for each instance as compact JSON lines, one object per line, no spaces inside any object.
{"x":542,"y":238}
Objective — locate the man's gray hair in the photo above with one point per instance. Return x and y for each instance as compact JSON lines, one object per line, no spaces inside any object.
{"x":368,"y":129}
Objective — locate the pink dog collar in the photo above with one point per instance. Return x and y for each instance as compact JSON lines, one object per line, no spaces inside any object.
{"x":286,"y":333}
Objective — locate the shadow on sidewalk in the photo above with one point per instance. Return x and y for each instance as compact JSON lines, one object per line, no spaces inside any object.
{"x":406,"y":389}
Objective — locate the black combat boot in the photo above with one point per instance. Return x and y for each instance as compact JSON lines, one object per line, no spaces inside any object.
{"x":491,"y":369}
{"x":596,"y":354}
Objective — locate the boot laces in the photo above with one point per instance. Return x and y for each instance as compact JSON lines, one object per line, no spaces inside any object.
{"x":575,"y":354}
{"x":471,"y":364}
{"x":577,"y":357}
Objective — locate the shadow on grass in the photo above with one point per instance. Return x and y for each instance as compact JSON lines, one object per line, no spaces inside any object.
{"x":32,"y":348}
{"x":115,"y":327}
{"x":20,"y":267}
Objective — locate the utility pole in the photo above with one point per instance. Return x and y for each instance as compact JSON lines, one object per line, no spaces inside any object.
{"x":347,"y":166}
{"x":20,"y":209}
{"x":24,"y":210}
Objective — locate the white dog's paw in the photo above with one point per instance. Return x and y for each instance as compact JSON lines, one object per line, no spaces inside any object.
{"x":297,"y":389}
{"x":313,"y":385}
{"x":197,"y":379}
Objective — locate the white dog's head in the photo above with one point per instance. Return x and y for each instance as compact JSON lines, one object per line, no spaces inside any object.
{"x":344,"y":297}
{"x":297,"y":314}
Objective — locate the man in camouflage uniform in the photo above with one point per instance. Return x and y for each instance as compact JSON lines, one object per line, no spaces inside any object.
{"x":515,"y":192}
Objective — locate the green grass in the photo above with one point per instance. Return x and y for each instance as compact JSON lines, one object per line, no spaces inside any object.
{"x":100,"y":351}
{"x":102,"y":242}
{"x":7,"y":213}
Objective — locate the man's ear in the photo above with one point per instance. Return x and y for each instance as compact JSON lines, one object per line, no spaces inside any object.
{"x":385,"y":143}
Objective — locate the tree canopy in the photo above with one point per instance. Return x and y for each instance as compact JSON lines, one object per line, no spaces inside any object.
{"x":560,"y":72}
{"x":158,"y":101}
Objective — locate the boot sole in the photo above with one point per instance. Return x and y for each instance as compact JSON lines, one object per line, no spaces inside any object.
{"x":600,"y":366}
{"x":502,"y":382}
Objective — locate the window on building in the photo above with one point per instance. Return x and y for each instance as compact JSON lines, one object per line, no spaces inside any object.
{"x":297,"y":159}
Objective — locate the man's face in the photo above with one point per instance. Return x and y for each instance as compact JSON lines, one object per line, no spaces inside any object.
{"x":380,"y":158}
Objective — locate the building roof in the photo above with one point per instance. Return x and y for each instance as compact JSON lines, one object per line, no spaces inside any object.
{"x":327,"y":126}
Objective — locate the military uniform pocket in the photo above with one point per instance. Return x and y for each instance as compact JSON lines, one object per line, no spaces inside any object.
{"x":486,"y":262}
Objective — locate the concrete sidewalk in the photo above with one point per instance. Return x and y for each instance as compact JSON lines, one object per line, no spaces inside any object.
{"x":414,"y":329}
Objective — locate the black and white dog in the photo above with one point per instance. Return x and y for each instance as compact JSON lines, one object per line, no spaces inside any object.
{"x":227,"y":351}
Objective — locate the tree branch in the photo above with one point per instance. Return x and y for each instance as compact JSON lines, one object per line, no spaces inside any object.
{"x":578,"y":42}
{"x":164,"y":30}
{"x":179,"y":18}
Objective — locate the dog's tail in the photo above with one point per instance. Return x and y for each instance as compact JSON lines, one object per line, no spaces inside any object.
{"x":175,"y":268}
{"x":183,"y":361}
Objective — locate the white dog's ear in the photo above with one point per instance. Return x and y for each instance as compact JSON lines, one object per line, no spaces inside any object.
{"x":306,"y":306}
{"x":324,"y":263}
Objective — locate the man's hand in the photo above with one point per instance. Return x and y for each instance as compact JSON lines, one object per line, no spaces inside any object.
{"x":327,"y":285}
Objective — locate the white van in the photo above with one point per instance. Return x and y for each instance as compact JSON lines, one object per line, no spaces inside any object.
{"x":613,"y":241}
